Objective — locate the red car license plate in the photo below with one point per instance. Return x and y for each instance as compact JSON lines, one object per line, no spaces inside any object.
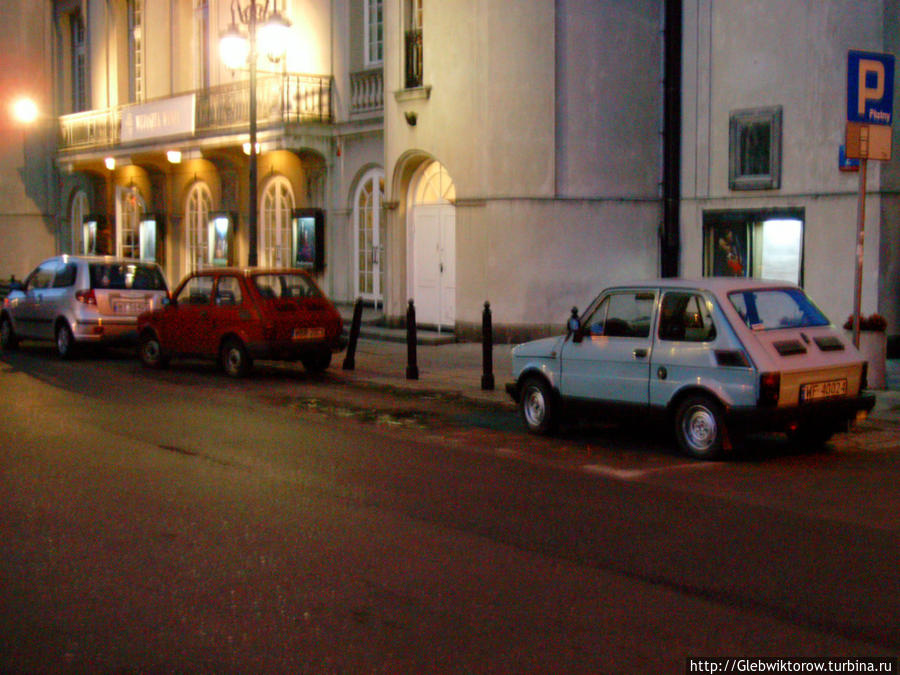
{"x":316,"y":333}
{"x":820,"y":390}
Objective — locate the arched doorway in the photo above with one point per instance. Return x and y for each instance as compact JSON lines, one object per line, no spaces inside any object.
{"x":370,"y":237}
{"x":432,"y":246}
{"x":276,"y":206}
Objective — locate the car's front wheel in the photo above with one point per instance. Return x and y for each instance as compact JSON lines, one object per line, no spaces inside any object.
{"x":700,"y":427}
{"x":537,"y":404}
{"x":8,"y":338}
{"x":151,"y":352}
{"x":65,"y":341}
{"x":236,"y":361}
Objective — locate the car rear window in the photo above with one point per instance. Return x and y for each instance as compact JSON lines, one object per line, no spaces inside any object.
{"x":771,"y":309}
{"x":285,"y":285}
{"x":127,"y":276}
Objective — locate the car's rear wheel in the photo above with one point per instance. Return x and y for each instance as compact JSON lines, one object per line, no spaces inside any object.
{"x":65,"y":341}
{"x":236,"y":361}
{"x":318,"y":361}
{"x":700,"y":427}
{"x":151,"y":352}
{"x":537,"y":405}
{"x":8,"y":338}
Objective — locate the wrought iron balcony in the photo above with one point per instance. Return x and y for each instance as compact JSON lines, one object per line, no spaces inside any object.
{"x":281,"y":100}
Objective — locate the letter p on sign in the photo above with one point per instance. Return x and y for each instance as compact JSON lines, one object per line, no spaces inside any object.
{"x":870,"y":88}
{"x":868,"y":68}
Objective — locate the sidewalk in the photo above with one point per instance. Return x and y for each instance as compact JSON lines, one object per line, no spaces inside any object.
{"x":456,"y":368}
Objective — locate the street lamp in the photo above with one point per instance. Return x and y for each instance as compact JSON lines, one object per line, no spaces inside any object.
{"x":238,"y":50}
{"x":24,"y":110}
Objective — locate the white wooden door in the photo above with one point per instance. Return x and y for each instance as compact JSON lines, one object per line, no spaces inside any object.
{"x":434,"y":252}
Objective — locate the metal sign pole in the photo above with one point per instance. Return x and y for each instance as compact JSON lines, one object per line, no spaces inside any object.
{"x":860,"y":240}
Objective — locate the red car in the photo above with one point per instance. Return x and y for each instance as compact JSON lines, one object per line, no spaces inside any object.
{"x":236,"y":315}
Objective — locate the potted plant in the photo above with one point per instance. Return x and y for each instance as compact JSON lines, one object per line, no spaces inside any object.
{"x":872,"y":345}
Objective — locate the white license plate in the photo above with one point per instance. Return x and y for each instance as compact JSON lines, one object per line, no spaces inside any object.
{"x":309,"y":333}
{"x":820,"y":390}
{"x":125,"y":307}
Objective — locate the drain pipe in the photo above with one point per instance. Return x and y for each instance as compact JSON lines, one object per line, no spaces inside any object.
{"x":670,"y":236}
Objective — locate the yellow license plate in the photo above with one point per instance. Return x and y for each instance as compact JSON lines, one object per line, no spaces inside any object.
{"x":316,"y":333}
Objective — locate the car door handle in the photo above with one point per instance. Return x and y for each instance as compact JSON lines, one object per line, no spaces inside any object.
{"x":640,"y":353}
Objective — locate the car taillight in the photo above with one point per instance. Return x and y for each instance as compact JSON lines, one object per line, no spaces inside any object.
{"x":769,"y":388}
{"x":87,"y":297}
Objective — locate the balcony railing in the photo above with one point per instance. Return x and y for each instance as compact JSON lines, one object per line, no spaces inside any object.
{"x":366,"y":92}
{"x":280,"y":100}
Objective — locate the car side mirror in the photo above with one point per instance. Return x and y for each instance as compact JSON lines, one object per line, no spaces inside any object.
{"x":574,"y":326}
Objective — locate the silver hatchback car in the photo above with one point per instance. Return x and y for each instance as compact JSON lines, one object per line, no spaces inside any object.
{"x":75,"y":300}
{"x":716,"y":357}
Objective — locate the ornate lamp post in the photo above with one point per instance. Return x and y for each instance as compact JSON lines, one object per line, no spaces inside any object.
{"x":238,"y":50}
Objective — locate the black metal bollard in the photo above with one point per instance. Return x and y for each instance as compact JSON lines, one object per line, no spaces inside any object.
{"x":350,"y":357}
{"x":487,"y":348}
{"x":412,"y":368}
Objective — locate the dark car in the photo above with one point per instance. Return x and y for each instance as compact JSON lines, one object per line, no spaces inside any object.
{"x":237,"y":315}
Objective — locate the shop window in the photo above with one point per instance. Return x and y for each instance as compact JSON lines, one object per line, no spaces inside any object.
{"x":763,"y":245}
{"x":754,"y":149}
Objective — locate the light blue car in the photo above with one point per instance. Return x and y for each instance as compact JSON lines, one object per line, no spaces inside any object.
{"x":715,"y":358}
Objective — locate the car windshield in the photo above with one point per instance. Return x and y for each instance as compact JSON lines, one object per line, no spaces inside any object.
{"x":130,"y":276}
{"x":285,"y":285}
{"x":771,"y":309}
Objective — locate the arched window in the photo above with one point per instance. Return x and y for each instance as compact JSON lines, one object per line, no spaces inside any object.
{"x":275,"y":223}
{"x":435,"y":186}
{"x":370,"y":236}
{"x":77,"y":212}
{"x":196,"y":226}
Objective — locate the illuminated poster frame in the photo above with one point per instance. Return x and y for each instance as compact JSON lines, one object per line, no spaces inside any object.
{"x":93,"y":233}
{"x":150,"y":232}
{"x":221,"y":238}
{"x":308,"y":239}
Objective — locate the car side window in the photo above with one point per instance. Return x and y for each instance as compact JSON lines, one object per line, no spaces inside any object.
{"x":622,"y":314}
{"x":65,"y":275}
{"x":41,"y":278}
{"x":228,"y":292}
{"x":197,"y":291}
{"x":685,"y":317}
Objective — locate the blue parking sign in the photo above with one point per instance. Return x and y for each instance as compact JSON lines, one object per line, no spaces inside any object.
{"x":870,"y":87}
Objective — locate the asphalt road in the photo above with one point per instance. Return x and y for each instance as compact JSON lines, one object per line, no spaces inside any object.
{"x":178,"y":521}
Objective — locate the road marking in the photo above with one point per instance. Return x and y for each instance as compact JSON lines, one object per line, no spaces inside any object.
{"x":638,"y":474}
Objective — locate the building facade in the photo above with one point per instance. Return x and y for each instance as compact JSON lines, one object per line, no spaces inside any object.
{"x":455,"y":152}
{"x":774,"y":75}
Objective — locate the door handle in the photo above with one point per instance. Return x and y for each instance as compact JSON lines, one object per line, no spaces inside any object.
{"x":640,"y":353}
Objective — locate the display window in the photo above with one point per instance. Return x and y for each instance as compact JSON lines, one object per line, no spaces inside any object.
{"x":760,"y":244}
